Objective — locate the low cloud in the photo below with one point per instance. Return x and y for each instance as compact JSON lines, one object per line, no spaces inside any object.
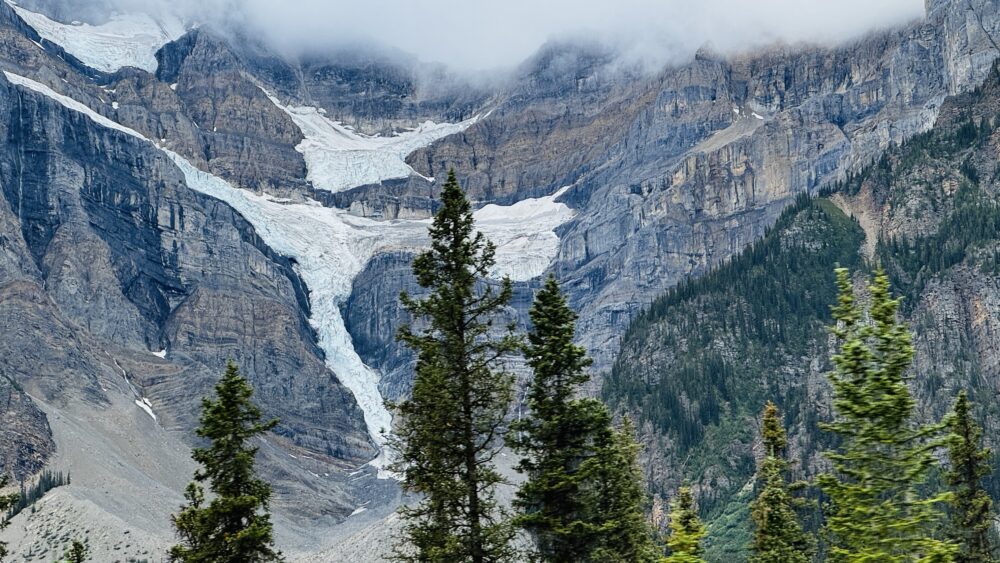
{"x":473,"y":35}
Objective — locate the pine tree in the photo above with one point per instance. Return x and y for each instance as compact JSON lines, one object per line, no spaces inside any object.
{"x":686,"y":530}
{"x":7,"y":502}
{"x":560,"y":439}
{"x":451,"y":427}
{"x":875,"y":512}
{"x":615,"y":498}
{"x":235,"y":526}
{"x":971,"y":507}
{"x":75,"y":553}
{"x":778,"y":536}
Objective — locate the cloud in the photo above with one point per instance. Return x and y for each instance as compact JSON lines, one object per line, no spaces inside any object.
{"x":479,"y":35}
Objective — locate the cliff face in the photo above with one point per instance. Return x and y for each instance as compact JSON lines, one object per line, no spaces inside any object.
{"x":674,"y":174}
{"x":109,"y":260}
{"x":697,"y":368}
{"x":127,"y":284}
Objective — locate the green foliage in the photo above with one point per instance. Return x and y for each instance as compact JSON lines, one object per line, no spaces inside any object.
{"x":686,"y":530}
{"x":76,"y":553}
{"x":770,"y":302}
{"x":971,"y":507}
{"x":974,"y":224}
{"x":451,"y":427}
{"x":7,"y":502}
{"x":618,"y":496}
{"x":778,"y":536}
{"x":234,"y":526}
{"x":562,"y":440}
{"x":875,"y":512}
{"x":47,"y":481}
{"x":728,"y":534}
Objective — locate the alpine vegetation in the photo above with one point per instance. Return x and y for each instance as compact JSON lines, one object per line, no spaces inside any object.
{"x":971,"y":507}
{"x":451,"y":427}
{"x":234,"y":526}
{"x":584,"y":498}
{"x":778,"y":536}
{"x":877,"y":510}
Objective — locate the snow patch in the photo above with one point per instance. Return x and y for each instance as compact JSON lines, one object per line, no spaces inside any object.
{"x":125,"y":40}
{"x":114,"y":105}
{"x":524,"y":234}
{"x":358,"y":510}
{"x":340,"y":159}
{"x":757,"y":115}
{"x":331,"y":247}
{"x":161,"y":354}
{"x":145,"y":405}
{"x":173,"y":86}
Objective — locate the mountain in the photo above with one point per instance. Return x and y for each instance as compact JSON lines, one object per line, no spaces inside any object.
{"x":175,"y":196}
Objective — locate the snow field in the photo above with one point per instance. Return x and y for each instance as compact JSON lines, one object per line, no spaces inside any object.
{"x":125,"y":40}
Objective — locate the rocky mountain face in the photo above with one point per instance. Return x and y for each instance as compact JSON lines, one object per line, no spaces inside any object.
{"x":698,"y":366}
{"x":158,"y":221}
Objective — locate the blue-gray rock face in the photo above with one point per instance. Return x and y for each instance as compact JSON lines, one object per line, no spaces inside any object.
{"x":107,"y":256}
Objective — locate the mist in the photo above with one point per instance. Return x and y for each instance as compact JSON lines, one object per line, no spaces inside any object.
{"x":470,"y":35}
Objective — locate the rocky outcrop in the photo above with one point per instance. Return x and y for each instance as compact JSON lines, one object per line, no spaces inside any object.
{"x":109,"y":257}
{"x":674,"y":174}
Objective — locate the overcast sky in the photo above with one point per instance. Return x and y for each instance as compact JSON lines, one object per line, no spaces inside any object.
{"x":481,"y":35}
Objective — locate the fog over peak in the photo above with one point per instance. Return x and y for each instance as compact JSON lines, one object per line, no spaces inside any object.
{"x":476,"y":35}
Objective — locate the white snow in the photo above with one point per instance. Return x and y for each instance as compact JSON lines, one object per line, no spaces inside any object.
{"x":339,"y":159}
{"x":524,"y":234}
{"x":331,"y":247}
{"x":68,"y":102}
{"x":358,"y":510}
{"x":758,"y":116}
{"x":125,"y":40}
{"x":736,"y":110}
{"x":173,"y":86}
{"x":144,"y":405}
{"x":161,"y":353}
{"x":114,"y":105}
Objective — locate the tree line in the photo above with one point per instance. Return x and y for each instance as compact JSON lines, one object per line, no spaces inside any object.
{"x":582,"y":497}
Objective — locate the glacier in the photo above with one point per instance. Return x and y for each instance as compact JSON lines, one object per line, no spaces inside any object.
{"x":332,"y":246}
{"x":339,"y":159}
{"x":124,"y":40}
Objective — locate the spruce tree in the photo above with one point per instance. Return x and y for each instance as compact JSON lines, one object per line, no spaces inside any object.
{"x":234,"y":526}
{"x":971,"y":507}
{"x":686,"y":530}
{"x":75,"y":553}
{"x":563,"y":438}
{"x":778,"y":536}
{"x":7,"y":502}
{"x":450,"y":429}
{"x":616,"y":497}
{"x":875,"y":512}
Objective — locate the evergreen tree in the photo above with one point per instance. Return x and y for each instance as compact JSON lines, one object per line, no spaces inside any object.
{"x":971,"y":507}
{"x":451,"y":427}
{"x":7,"y":503}
{"x":686,"y":530}
{"x":75,"y":553}
{"x":875,"y":512}
{"x":778,"y":536}
{"x":616,"y":497}
{"x":234,"y":527}
{"x":572,"y":451}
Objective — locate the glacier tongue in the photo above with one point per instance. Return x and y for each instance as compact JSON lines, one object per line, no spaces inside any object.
{"x":524,"y":234}
{"x":332,"y":246}
{"x":125,"y":40}
{"x":339,"y":159}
